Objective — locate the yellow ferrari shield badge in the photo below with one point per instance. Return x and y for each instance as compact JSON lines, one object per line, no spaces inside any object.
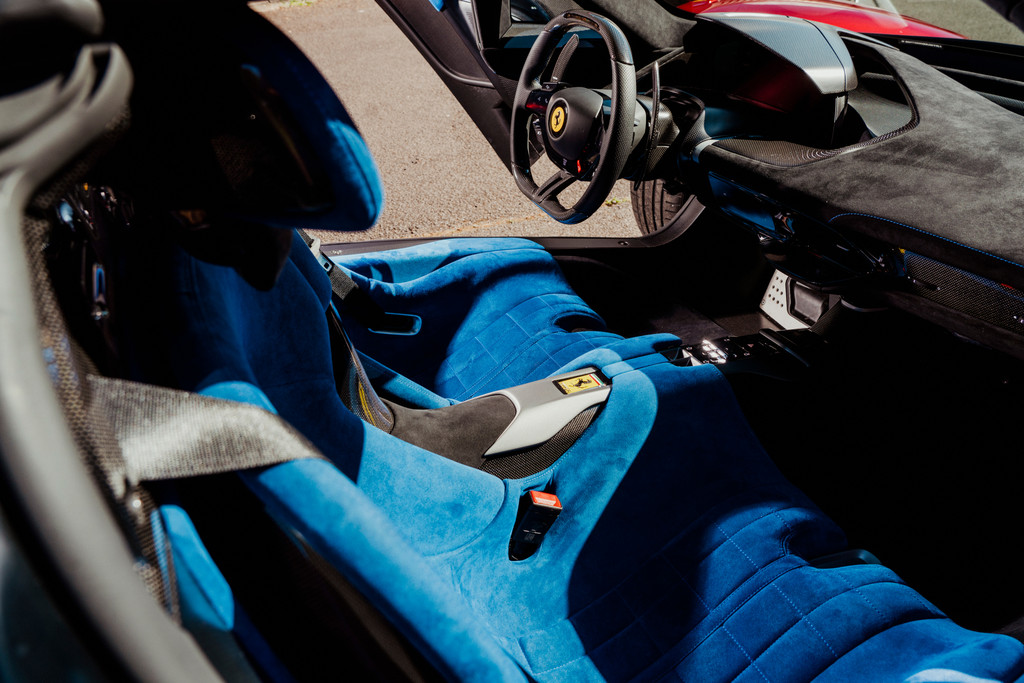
{"x":580,"y":383}
{"x":557,"y":119}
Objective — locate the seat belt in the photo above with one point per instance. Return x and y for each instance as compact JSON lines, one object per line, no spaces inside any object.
{"x":357,"y":302}
{"x":167,"y":434}
{"x":160,"y":434}
{"x":170,"y":434}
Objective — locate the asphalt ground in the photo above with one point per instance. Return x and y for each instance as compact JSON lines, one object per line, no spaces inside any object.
{"x":440,"y":175}
{"x":970,"y":18}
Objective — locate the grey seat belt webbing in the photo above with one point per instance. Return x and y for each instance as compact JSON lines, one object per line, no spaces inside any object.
{"x":170,"y":434}
{"x":164,"y":434}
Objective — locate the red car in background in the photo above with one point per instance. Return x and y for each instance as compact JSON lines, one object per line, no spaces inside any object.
{"x":859,"y":18}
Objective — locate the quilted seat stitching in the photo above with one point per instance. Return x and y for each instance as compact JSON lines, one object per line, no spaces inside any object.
{"x":723,"y":624}
{"x":863,"y":597}
{"x":450,"y":260}
{"x":501,"y":366}
{"x":780,"y":591}
{"x":836,"y":656}
{"x":680,"y":573}
{"x":584,"y":340}
{"x":806,"y":618}
{"x":682,"y":534}
{"x":507,"y":361}
{"x":731,"y":614}
{"x":519,"y":348}
{"x":577,"y":308}
{"x":746,"y":654}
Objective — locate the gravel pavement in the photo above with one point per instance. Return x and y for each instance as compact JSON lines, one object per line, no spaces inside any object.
{"x":441,"y":177}
{"x":970,"y":18}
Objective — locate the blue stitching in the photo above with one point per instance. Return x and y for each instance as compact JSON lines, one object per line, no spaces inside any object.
{"x":678,"y":538}
{"x":779,"y":590}
{"x":737,"y":608}
{"x":745,"y":653}
{"x":856,"y":589}
{"x":722,"y":626}
{"x":784,"y":541}
{"x":615,"y":591}
{"x":695,"y":524}
{"x":505,"y":362}
{"x":664,"y":552}
{"x":804,"y":618}
{"x":502,"y":366}
{"x":680,"y":572}
{"x":730,"y":539}
{"x":830,"y":600}
{"x":930,"y":234}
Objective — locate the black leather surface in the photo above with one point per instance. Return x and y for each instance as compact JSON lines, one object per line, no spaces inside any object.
{"x":951,"y":187}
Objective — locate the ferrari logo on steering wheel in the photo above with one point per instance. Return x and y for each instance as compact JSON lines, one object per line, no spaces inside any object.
{"x":557,"y":120}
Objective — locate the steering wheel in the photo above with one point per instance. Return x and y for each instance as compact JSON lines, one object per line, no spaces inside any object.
{"x":582,"y":140}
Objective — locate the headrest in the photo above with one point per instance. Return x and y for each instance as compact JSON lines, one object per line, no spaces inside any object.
{"x":231,"y":118}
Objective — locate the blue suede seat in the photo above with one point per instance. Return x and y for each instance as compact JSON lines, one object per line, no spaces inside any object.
{"x":496,"y":313}
{"x":681,"y":554}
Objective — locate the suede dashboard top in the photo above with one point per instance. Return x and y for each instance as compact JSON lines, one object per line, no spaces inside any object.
{"x":951,"y":187}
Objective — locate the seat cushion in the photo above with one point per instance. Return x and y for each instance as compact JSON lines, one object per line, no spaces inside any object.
{"x":495,"y":312}
{"x":681,"y":554}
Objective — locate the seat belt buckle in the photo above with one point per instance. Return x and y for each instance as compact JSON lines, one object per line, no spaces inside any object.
{"x":314,"y":246}
{"x":326,"y":263}
{"x":538,"y":510}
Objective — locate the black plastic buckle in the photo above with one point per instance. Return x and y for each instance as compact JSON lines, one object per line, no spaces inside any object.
{"x":537,"y":512}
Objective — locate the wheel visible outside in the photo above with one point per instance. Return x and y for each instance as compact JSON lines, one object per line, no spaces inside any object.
{"x":655,"y":203}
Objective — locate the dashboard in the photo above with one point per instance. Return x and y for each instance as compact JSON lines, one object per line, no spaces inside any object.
{"x":857,"y":167}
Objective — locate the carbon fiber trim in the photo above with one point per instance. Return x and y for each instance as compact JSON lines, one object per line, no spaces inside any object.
{"x":532,"y":461}
{"x":987,"y":300}
{"x":86,"y":417}
{"x":788,"y":154}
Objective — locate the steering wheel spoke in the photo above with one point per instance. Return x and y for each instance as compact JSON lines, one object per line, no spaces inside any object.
{"x":553,"y":186}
